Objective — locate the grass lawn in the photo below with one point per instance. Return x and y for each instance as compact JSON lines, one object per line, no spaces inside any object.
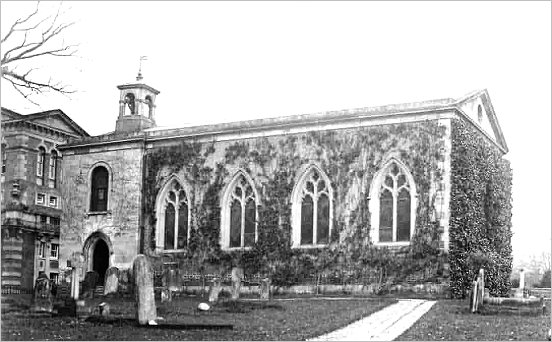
{"x":296,"y":319}
{"x":451,"y":320}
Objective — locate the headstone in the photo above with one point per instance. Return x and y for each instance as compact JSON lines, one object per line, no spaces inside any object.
{"x":173,"y":280}
{"x":265,"y":289}
{"x":521,"y":279}
{"x":90,"y":283}
{"x":42,"y":298}
{"x":166,"y":296}
{"x":104,"y":309}
{"x":125,"y":283}
{"x":77,"y":261}
{"x":111,"y":281}
{"x":214,"y":290}
{"x":237,"y":278}
{"x":146,"y":311}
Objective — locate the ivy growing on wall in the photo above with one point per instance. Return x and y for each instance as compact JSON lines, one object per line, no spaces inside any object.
{"x":350,"y":158}
{"x":480,"y":222}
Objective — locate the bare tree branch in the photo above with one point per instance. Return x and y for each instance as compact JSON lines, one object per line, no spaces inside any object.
{"x":37,"y":42}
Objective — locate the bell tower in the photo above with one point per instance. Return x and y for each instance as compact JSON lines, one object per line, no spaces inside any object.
{"x":136,"y":106}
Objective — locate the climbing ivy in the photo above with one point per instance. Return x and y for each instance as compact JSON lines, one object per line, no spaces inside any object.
{"x":350,"y":158}
{"x":480,"y":222}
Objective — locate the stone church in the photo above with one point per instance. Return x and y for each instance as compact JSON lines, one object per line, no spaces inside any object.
{"x":302,"y":184}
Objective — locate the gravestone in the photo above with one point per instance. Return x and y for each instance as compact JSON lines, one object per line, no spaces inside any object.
{"x":237,"y":278}
{"x":214,"y":290}
{"x":77,"y":262}
{"x":90,"y":282}
{"x":125,"y":282}
{"x":265,"y":289}
{"x":173,"y":280}
{"x":42,"y":297}
{"x":478,"y":290}
{"x":111,"y":286}
{"x":146,"y":311}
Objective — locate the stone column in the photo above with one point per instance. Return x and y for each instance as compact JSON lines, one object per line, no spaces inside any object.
{"x":146,"y":312}
{"x":47,"y":247}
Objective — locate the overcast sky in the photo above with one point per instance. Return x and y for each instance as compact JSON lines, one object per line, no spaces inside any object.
{"x":226,"y":61}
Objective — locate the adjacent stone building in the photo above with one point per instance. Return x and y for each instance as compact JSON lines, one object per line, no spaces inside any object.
{"x":295,"y":188}
{"x":31,"y":195}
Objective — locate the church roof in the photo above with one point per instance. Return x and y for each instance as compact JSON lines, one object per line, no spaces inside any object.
{"x":463,"y":106}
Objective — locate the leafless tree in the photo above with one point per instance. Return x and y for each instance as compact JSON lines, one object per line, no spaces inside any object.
{"x":29,"y":39}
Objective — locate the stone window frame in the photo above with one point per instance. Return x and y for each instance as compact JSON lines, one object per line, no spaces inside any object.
{"x":41,"y":164}
{"x":53,"y":167}
{"x":297,"y":196}
{"x":54,"y":251}
{"x":374,"y":204}
{"x":108,"y":192}
{"x":42,"y":249}
{"x":38,"y":196}
{"x":56,"y":202}
{"x":160,"y":205}
{"x":225,"y":211}
{"x":4,"y":157}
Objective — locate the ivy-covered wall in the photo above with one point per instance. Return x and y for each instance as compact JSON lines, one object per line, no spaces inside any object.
{"x":349,"y":157}
{"x":481,"y":210}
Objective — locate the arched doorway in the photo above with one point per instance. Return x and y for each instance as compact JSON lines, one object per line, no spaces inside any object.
{"x":100,"y":259}
{"x":97,"y":251}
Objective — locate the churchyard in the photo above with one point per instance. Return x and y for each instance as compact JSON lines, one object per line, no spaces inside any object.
{"x":138,"y":310}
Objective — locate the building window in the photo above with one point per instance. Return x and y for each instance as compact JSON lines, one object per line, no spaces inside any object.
{"x":54,"y":250}
{"x":54,"y":221}
{"x":53,"y":201}
{"x":99,"y":189}
{"x":312,"y":208}
{"x":54,"y":277}
{"x":52,"y":174}
{"x":4,"y":158}
{"x":173,"y":217}
{"x":40,"y":165}
{"x":393,"y":204}
{"x":41,"y":249}
{"x":239,"y":213}
{"x":40,"y":199}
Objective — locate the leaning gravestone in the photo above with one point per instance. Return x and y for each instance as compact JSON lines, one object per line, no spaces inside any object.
{"x":214,"y":290}
{"x":111,"y":281}
{"x":265,"y":289}
{"x":146,"y":311}
{"x":42,"y":298}
{"x":237,"y":278}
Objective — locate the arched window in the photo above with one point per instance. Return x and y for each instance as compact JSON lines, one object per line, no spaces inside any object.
{"x":40,"y":158}
{"x":239,"y":213}
{"x":53,"y":167}
{"x":149,"y":103}
{"x":393,"y":204}
{"x":312,"y":209}
{"x":99,"y":189}
{"x":130,"y":101}
{"x":173,"y":217}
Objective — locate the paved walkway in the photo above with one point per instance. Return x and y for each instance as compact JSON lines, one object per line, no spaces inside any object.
{"x":384,"y":325}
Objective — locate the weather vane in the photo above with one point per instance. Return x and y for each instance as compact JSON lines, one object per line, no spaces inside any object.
{"x":139,"y":77}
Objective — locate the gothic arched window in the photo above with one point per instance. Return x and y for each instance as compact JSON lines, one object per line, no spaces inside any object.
{"x":99,"y":189}
{"x":393,"y":204}
{"x":312,"y":209}
{"x":239,"y":213}
{"x":173,"y":217}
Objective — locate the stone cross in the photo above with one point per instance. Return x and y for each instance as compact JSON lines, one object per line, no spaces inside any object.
{"x":146,"y":311}
{"x":111,"y":281}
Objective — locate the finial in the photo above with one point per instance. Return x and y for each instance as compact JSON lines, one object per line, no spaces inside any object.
{"x":139,"y":77}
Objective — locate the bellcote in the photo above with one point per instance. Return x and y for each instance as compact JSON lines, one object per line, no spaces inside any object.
{"x":136,"y":107}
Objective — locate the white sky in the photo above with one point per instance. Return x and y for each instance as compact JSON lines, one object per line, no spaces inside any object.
{"x":226,"y":61}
